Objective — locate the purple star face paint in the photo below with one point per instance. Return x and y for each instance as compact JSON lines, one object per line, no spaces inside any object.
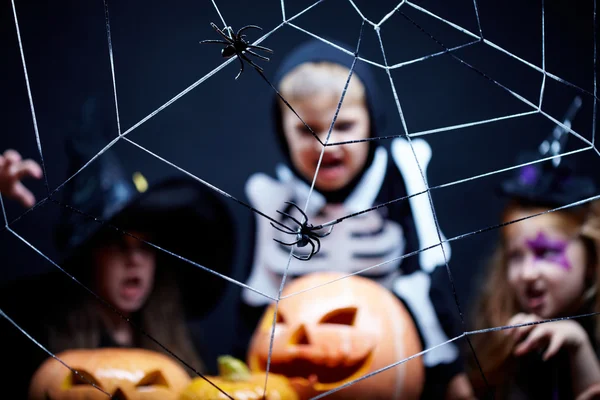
{"x":546,"y":249}
{"x":528,"y":175}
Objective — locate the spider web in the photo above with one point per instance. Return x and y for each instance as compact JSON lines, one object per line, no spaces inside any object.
{"x":476,"y":37}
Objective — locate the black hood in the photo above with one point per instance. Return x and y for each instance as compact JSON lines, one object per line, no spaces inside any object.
{"x":552,"y":183}
{"x":184,"y":216}
{"x":317,"y":51}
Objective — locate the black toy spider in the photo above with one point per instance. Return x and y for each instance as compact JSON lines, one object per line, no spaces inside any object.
{"x":305,"y":234}
{"x":237,"y":45}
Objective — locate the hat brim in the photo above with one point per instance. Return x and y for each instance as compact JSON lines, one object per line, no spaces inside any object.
{"x":190,"y":224}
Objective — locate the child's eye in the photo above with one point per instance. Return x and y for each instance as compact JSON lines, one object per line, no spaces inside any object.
{"x":515,"y":255}
{"x":344,"y":126}
{"x":550,"y":253}
{"x":303,"y":129}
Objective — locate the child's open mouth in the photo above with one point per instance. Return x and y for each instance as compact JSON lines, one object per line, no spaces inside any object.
{"x":535,"y":298}
{"x":131,"y":288}
{"x":331,"y":167}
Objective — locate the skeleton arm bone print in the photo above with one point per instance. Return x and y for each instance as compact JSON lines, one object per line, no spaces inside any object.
{"x":414,"y":289}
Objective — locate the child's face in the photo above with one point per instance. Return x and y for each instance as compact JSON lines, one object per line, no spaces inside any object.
{"x":546,"y":267}
{"x":124,"y":274}
{"x":340,"y":164}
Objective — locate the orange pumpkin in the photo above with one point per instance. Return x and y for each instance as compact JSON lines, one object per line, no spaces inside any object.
{"x":237,"y":381}
{"x":334,"y":334}
{"x":131,"y":374}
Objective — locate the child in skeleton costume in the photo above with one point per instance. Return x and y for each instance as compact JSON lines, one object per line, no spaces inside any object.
{"x":351,"y":178}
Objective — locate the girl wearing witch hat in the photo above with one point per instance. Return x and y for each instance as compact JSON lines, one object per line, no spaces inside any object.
{"x":545,"y":267}
{"x":116,"y":239}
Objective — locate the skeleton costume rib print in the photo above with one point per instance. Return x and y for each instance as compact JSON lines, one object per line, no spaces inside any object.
{"x":381,"y":244}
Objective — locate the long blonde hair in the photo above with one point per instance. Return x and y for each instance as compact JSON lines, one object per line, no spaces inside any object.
{"x":496,"y":303}
{"x":162,"y":318}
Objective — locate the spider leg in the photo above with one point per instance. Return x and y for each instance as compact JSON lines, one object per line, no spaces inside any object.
{"x":318,"y":245}
{"x":242,"y":29}
{"x":242,"y":68}
{"x":289,"y":231}
{"x":290,"y":217}
{"x":257,"y":55}
{"x":322,"y":235}
{"x":216,"y":28}
{"x":287,"y":244}
{"x":252,"y":63}
{"x":299,"y":209}
{"x":310,"y":255}
{"x":252,"y":46}
{"x":214,"y":41}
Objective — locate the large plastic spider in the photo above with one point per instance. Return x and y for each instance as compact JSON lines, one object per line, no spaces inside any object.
{"x":305,"y":234}
{"x":237,"y":45}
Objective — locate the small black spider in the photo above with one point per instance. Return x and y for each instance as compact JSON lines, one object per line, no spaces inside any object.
{"x":237,"y":45}
{"x":305,"y":234}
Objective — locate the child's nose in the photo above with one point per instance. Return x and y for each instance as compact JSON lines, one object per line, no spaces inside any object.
{"x":135,"y":256}
{"x":316,"y":145}
{"x":529,"y":270}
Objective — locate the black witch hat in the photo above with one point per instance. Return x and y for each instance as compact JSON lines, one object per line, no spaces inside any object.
{"x":185,"y":217}
{"x":554,"y":182}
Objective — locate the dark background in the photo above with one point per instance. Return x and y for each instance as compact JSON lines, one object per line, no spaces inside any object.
{"x":222,"y":130}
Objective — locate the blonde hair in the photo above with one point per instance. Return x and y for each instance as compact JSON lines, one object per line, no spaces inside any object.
{"x":497,"y":301}
{"x":322,"y":78}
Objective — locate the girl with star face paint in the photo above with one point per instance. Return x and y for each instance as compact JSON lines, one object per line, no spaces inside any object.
{"x":545,"y":267}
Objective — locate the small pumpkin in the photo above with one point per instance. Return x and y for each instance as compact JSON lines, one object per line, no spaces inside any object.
{"x":124,"y":373}
{"x":336,"y":332}
{"x":236,"y":379}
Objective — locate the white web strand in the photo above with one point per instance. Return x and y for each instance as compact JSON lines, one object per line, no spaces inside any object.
{"x":209,"y":75}
{"x":30,"y":96}
{"x":428,"y":56}
{"x":112,"y":65}
{"x":478,"y":20}
{"x":461,"y":236}
{"x":219,"y":12}
{"x":455,"y":26}
{"x":383,"y":369}
{"x":365,"y":19}
{"x":510,"y":91}
{"x":41,"y":346}
{"x":388,"y":15}
{"x":339,"y":105}
{"x":106,"y":303}
{"x":283,"y":279}
{"x":542,"y":70}
{"x":466,"y":333}
{"x":543,"y":59}
{"x":3,"y":211}
{"x":499,"y":48}
{"x":595,"y":64}
{"x":274,"y":323}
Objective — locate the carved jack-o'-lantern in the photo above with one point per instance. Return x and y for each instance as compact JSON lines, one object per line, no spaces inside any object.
{"x":336,"y":333}
{"x":239,"y":383}
{"x":125,"y":374}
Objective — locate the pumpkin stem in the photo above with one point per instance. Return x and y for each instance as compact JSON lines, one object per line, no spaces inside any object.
{"x":232,"y":369}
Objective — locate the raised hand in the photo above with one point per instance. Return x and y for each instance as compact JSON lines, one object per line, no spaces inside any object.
{"x":12,"y":170}
{"x":554,"y":335}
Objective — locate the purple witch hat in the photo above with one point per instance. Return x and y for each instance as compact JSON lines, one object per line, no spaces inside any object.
{"x":553,"y":183}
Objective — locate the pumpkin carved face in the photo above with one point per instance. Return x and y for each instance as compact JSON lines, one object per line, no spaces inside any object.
{"x":336,"y":333}
{"x":126,"y":374}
